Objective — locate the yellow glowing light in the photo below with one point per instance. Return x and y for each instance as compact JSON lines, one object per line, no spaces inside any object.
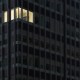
{"x":12,"y":14}
{"x":30,"y":16}
{"x":5,"y":16}
{"x":24,"y":14}
{"x":19,"y":13}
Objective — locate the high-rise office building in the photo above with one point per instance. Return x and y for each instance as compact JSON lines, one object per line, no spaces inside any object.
{"x":39,"y":39}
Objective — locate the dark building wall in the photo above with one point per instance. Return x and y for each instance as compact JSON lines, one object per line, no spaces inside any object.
{"x":46,"y":48}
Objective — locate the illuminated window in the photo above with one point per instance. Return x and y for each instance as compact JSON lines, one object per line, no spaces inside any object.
{"x":19,"y":13}
{"x":5,"y":16}
{"x":30,"y":16}
{"x":24,"y":14}
{"x":12,"y":14}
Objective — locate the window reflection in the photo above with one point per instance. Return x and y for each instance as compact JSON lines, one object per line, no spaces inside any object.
{"x":20,"y":13}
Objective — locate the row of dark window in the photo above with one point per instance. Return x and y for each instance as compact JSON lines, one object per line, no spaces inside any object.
{"x":37,"y":74}
{"x":48,"y":55}
{"x":72,"y":3}
{"x":38,"y":30}
{"x":48,"y":25}
{"x":37,"y":63}
{"x":73,"y":62}
{"x":42,"y":42}
{"x":37,"y":52}
{"x":43,"y":74}
{"x":71,"y":72}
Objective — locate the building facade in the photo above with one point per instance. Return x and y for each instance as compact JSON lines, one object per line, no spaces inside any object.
{"x":39,"y":40}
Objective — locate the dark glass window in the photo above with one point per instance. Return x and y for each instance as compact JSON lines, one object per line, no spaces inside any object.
{"x":53,"y":15}
{"x":73,"y":42}
{"x":47,"y":3}
{"x":77,"y":63}
{"x":42,"y":75}
{"x":42,"y":44}
{"x":58,"y":37}
{"x":31,"y":28}
{"x":47,"y":55}
{"x":31,"y":50}
{"x":37,"y":8}
{"x":42,"y":32}
{"x":31,"y":72}
{"x":58,"y":7}
{"x":73,"y":23}
{"x":53,"y":56}
{"x":31,"y":6}
{"x":58,"y":17}
{"x":68,"y":2}
{"x":47,"y":13}
{"x":68,"y":40}
{"x":19,"y":70}
{"x":58,"y":69}
{"x":77,"y":5}
{"x":36,"y":30}
{"x":36,"y":42}
{"x":47,"y":34}
{"x":25,"y":49}
{"x":58,"y":78}
{"x":53,"y":77}
{"x":37,"y":18}
{"x":47,"y":76}
{"x":68,"y":20}
{"x":25,"y":39}
{"x":25,"y":71}
{"x":42,"y":53}
{"x":77,"y":44}
{"x":68,"y":60}
{"x":77,"y":16}
{"x":37,"y":62}
{"x":72,"y":72}
{"x":53,"y":47}
{"x":77,"y":24}
{"x":37,"y":52}
{"x":53,"y":35}
{"x":58,"y":58}
{"x":72,"y":3}
{"x":25,"y":26}
{"x":37,"y":74}
{"x":25,"y":60}
{"x":68,"y":12}
{"x":18,"y":47}
{"x":48,"y":24}
{"x":73,"y":62}
{"x":48,"y":66}
{"x":42,"y":11}
{"x":77,"y":73}
{"x":37,"y":1}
